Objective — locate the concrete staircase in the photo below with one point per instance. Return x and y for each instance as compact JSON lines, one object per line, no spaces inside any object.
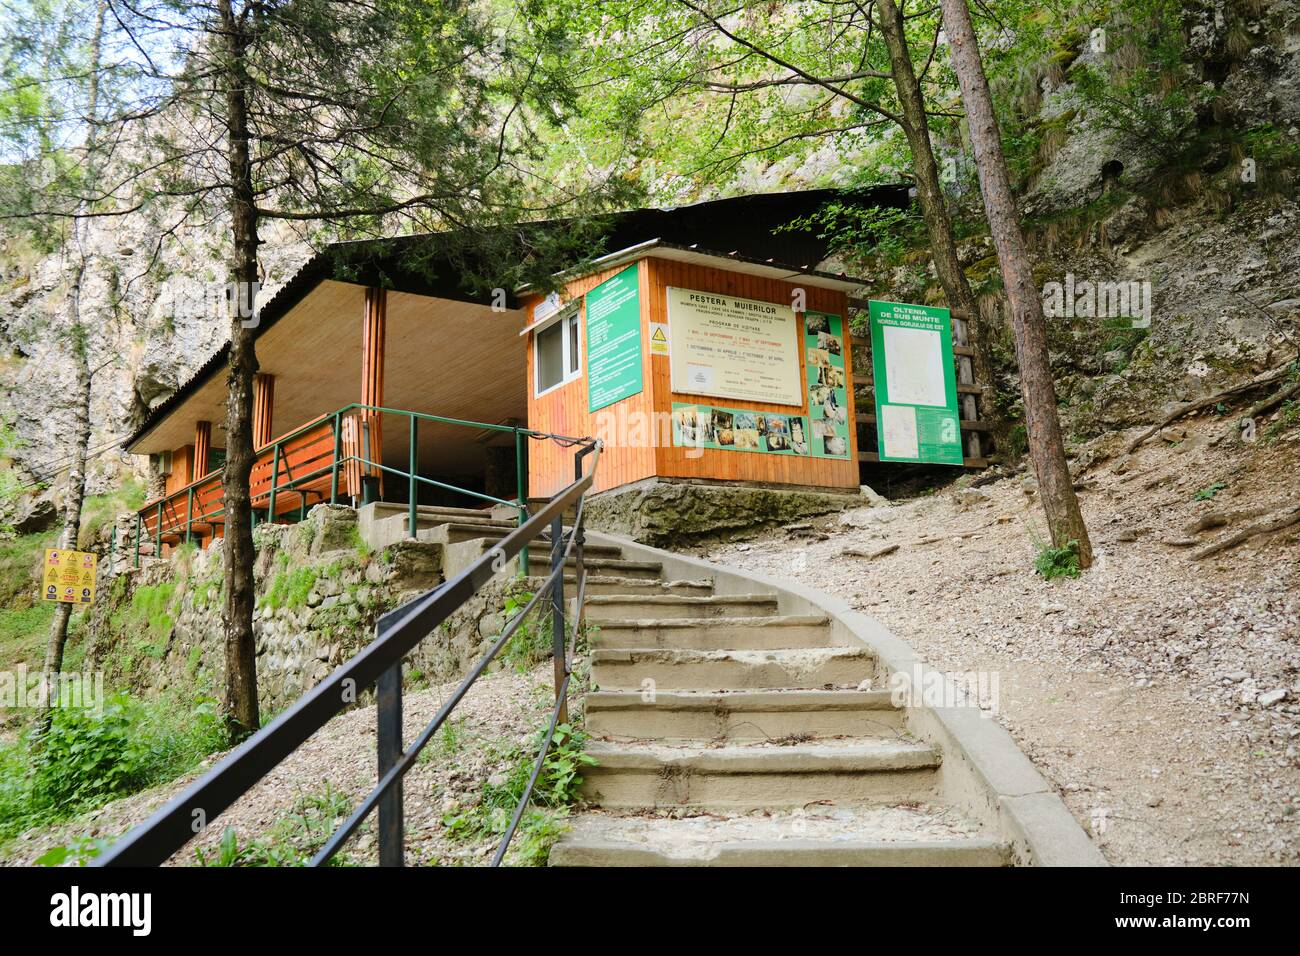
{"x":728,"y":733}
{"x":745,"y":721}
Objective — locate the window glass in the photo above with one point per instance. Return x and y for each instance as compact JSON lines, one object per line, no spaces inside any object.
{"x":550,"y":356}
{"x":573,"y":342}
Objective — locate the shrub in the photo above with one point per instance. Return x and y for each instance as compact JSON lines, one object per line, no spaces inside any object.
{"x":1058,"y":562}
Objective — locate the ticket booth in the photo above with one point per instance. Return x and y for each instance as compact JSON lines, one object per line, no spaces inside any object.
{"x":694,"y":365}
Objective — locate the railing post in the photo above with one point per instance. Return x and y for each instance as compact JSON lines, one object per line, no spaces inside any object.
{"x":367,"y":489}
{"x":189,"y":512}
{"x":275,"y":473}
{"x":334,"y":469}
{"x":412,"y":492}
{"x":557,"y":612}
{"x":158,"y":533}
{"x":579,"y":568}
{"x":389,"y":750}
{"x":521,"y":492}
{"x":138,"y":532}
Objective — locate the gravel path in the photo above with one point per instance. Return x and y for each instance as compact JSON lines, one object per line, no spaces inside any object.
{"x":1161,"y":695}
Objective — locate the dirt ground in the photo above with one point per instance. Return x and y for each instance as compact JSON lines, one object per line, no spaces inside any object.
{"x":1159,"y":693}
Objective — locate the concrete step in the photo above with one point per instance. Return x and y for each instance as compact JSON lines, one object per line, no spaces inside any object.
{"x":874,"y":771}
{"x":613,"y":584}
{"x":751,"y":715}
{"x":540,"y":565}
{"x":819,"y":836}
{"x":760,"y":633}
{"x":672,"y":606}
{"x":456,"y":532}
{"x":678,"y":669}
{"x":384,"y":523}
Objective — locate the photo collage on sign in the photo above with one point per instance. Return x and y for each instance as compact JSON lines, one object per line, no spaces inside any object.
{"x":730,"y":429}
{"x":828,"y":407}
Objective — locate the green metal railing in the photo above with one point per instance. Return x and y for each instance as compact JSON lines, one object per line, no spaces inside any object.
{"x":338,"y":462}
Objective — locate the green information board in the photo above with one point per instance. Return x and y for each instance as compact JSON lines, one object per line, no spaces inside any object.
{"x":915,"y":384}
{"x":735,"y":429}
{"x":828,"y":403}
{"x":614,"y":340}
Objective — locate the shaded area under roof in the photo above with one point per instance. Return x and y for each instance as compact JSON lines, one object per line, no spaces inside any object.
{"x":744,"y":226}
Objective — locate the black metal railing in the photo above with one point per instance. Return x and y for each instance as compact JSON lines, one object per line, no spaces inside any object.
{"x":379,"y":664}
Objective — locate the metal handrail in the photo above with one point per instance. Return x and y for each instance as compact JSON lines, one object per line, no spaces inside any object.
{"x":380,"y":662}
{"x":164,"y":508}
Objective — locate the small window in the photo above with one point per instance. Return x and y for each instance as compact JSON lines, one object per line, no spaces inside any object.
{"x":559,"y":357}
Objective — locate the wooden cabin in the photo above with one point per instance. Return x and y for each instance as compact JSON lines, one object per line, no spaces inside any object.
{"x":704,"y":344}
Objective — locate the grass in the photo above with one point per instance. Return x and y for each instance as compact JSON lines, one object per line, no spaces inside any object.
{"x":293,"y":840}
{"x":89,"y":759}
{"x":149,"y":617}
{"x":557,"y":787}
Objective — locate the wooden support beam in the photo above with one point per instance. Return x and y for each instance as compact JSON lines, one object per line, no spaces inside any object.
{"x":263,"y":406}
{"x":373,"y":335}
{"x":202,"y":449}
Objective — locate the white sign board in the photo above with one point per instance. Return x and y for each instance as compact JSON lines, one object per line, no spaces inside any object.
{"x":729,"y":347}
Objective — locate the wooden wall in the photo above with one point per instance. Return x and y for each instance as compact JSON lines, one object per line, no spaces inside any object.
{"x":736,"y":465}
{"x":564,"y":410}
{"x":182,"y":467}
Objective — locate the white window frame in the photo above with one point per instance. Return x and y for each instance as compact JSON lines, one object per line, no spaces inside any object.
{"x":567,"y":340}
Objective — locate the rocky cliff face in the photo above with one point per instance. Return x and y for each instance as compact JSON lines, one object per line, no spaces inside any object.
{"x":146,"y":337}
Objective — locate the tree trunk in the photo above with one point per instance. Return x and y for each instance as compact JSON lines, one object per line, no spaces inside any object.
{"x":75,"y":493}
{"x":241,"y":649}
{"x":938,"y":224}
{"x":1046,"y":446}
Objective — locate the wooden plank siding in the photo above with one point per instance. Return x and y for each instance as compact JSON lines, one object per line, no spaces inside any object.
{"x":564,"y":410}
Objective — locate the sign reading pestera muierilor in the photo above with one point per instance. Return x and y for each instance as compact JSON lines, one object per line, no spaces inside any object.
{"x":915,"y":384}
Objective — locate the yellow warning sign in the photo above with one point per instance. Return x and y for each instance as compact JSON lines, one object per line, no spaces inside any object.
{"x":69,"y":576}
{"x":658,"y":338}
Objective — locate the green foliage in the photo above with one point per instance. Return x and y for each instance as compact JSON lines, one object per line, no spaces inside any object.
{"x":1205,"y":494}
{"x":1141,"y":90}
{"x":1060,"y":562}
{"x":884,"y":233}
{"x":290,"y":587}
{"x":1287,"y":419}
{"x":98,"y":511}
{"x":531,"y":641}
{"x":20,"y":564}
{"x":88,"y":758}
{"x":149,"y":618}
{"x":293,"y":840}
{"x":556,"y":788}
{"x":80,"y":852}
